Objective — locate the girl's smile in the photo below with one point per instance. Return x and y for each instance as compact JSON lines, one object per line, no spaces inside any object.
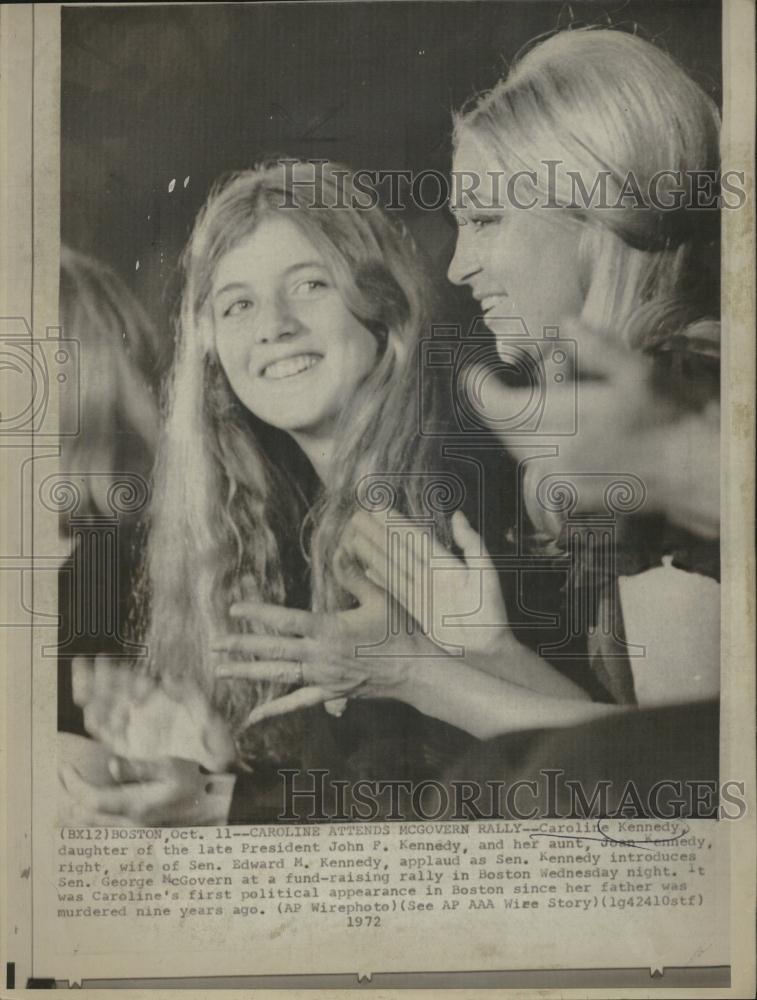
{"x":290,"y":366}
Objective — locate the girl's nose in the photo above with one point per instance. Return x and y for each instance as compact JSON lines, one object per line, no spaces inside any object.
{"x":276,"y":323}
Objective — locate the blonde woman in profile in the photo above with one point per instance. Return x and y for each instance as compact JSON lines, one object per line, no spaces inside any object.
{"x":640,"y":278}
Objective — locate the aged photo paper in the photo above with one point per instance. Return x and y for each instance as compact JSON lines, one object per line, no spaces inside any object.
{"x":377,"y":534}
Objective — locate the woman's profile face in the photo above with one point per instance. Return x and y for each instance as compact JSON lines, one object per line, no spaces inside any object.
{"x":518,"y":262}
{"x":292,"y":351}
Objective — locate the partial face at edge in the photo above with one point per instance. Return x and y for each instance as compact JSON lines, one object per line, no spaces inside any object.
{"x":291,"y":349}
{"x":518,"y":262}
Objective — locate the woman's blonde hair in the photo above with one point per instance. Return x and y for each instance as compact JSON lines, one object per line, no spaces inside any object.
{"x":602,"y":103}
{"x":120,"y":360}
{"x":599,"y":103}
{"x":227,"y":495}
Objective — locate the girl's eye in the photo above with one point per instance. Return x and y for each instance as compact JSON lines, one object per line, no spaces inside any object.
{"x":311,"y":285}
{"x":240,"y":306}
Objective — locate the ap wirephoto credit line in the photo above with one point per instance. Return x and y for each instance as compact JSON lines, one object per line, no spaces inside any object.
{"x":378,"y":537}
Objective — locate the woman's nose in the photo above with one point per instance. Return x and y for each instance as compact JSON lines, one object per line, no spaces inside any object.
{"x":463,"y":265}
{"x":276,"y":323}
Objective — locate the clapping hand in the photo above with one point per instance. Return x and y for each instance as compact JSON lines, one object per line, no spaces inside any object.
{"x":457,"y":602}
{"x":139,"y":716}
{"x":328,"y":654}
{"x":165,"y":741}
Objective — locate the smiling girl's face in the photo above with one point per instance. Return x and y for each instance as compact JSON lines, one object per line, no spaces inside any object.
{"x":518,"y":262}
{"x":292,"y":351}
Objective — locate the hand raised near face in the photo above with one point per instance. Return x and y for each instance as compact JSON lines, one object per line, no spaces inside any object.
{"x":616,"y":419}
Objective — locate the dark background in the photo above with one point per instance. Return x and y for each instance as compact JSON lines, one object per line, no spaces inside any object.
{"x":152,"y":95}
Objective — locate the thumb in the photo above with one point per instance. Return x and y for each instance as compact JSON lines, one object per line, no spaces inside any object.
{"x":219,"y":744}
{"x":124,"y":770}
{"x":466,"y":538}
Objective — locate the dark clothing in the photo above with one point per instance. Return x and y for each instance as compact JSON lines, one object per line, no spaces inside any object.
{"x":641,"y":748}
{"x":387,"y":740}
{"x":649,"y":763}
{"x":374,"y":741}
{"x":94,"y":605}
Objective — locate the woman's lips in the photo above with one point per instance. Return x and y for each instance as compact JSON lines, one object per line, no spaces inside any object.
{"x":490,"y":303}
{"x":288,"y":367}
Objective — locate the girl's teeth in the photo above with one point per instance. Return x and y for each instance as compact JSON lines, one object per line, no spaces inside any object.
{"x":290,"y":366}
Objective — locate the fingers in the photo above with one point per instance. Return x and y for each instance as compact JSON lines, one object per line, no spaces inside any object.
{"x":510,"y":411}
{"x":143,"y":686}
{"x":82,"y":680}
{"x":601,"y":353}
{"x":124,"y":770}
{"x":106,"y":799}
{"x":266,"y":647}
{"x":214,"y":734}
{"x":288,"y":620}
{"x":352,"y":577}
{"x":113,"y":677}
{"x":365,"y":541}
{"x":399,"y":560}
{"x":302,"y":698}
{"x":278,"y":671}
{"x":468,"y":539}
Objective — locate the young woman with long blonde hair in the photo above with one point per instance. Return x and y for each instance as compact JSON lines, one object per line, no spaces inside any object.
{"x":294,"y":386}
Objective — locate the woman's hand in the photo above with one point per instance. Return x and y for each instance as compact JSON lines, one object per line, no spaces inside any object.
{"x":139,"y":716}
{"x":163,"y":792}
{"x":624,"y":426}
{"x":457,"y":603}
{"x":356,"y":653}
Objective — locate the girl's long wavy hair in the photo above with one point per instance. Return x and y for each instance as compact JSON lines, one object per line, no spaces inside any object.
{"x":599,"y":101}
{"x":228,"y":499}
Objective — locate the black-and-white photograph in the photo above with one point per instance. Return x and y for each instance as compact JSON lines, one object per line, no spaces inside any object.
{"x":378,"y":547}
{"x":396,"y":442}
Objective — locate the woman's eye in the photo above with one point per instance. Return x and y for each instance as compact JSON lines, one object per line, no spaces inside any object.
{"x":311,"y":285}
{"x":240,"y":306}
{"x":481,"y":221}
{"x":476,"y":222}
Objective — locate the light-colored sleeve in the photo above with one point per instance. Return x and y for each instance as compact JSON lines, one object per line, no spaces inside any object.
{"x":675,"y":617}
